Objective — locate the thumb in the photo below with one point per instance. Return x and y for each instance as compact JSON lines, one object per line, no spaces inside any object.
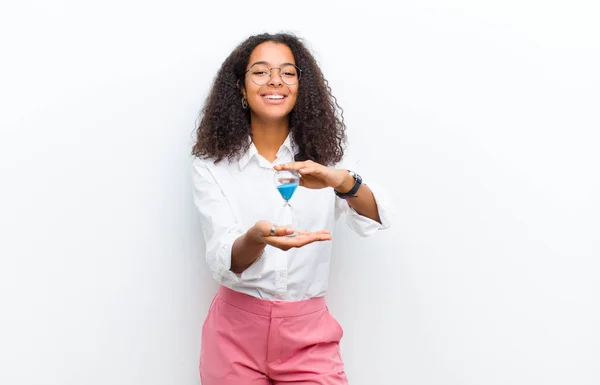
{"x":267,"y":229}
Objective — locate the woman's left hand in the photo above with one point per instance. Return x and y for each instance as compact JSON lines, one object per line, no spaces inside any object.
{"x":315,"y":175}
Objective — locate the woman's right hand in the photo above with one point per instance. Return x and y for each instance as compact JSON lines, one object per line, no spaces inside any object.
{"x":283,"y":241}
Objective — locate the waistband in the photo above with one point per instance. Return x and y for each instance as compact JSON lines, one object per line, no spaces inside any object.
{"x":274,"y":309}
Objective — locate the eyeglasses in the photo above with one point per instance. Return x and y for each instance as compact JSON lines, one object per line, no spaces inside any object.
{"x":261,"y":74}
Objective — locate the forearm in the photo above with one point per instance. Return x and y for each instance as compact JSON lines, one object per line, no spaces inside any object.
{"x":364,"y":203}
{"x":246,"y":249}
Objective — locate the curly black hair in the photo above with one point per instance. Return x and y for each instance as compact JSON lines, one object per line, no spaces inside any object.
{"x":316,"y":123}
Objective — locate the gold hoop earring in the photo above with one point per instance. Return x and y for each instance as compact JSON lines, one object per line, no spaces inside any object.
{"x":244,"y":103}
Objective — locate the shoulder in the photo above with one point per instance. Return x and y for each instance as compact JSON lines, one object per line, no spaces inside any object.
{"x":207,"y":170}
{"x":209,"y":163}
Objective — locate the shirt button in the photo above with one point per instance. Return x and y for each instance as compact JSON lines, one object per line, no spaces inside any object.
{"x":282,"y":274}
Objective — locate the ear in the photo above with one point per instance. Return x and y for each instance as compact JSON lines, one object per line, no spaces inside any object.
{"x":241,"y":88}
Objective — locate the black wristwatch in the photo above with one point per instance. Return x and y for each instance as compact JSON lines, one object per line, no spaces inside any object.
{"x":357,"y":183}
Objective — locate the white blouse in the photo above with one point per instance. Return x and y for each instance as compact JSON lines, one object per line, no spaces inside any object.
{"x":232,"y":196}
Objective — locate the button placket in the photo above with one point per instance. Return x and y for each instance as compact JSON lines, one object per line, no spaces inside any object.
{"x":281,"y":272}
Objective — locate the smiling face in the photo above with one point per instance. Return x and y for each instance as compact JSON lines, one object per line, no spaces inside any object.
{"x":276,"y":98}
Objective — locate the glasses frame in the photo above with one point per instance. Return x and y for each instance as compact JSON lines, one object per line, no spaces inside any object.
{"x":271,"y":74}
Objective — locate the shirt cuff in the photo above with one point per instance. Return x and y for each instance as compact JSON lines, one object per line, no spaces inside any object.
{"x":365,"y":226}
{"x":222,"y":262}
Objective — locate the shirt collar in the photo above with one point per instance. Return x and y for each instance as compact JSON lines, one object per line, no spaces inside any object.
{"x":248,"y":155}
{"x":287,"y":144}
{"x":252,"y":152}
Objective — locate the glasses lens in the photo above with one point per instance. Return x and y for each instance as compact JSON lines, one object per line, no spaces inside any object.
{"x":290,"y":75}
{"x":260,"y":74}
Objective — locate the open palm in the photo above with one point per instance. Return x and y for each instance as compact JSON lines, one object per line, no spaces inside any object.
{"x":282,"y":239}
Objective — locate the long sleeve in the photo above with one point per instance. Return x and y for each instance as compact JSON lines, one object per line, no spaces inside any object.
{"x":361,"y":225}
{"x":218,"y":221}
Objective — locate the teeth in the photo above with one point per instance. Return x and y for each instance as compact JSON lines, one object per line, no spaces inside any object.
{"x":273,"y":96}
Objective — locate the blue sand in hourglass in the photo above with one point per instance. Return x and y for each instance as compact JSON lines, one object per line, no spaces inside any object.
{"x":287,"y":190}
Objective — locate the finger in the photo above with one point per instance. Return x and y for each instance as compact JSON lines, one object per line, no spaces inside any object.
{"x":315,"y":236}
{"x":297,"y":241}
{"x":290,"y":166}
{"x":308,"y":170}
{"x":325,"y":237}
{"x":265,"y":228}
{"x":304,"y":232}
{"x":300,"y":241}
{"x":281,"y":231}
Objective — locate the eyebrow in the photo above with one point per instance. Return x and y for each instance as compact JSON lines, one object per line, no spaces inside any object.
{"x":267,"y":63}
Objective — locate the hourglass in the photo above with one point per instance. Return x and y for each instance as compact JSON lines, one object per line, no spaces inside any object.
{"x":286,"y":183}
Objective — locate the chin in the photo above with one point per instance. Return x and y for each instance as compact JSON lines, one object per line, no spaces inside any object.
{"x":273,"y":115}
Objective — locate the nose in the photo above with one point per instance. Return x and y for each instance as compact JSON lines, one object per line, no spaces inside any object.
{"x":275,"y":77}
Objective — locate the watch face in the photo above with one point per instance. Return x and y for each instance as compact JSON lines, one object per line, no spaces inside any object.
{"x":355,"y":176}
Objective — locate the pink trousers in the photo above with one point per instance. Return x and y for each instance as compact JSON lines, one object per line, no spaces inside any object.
{"x":250,"y":341}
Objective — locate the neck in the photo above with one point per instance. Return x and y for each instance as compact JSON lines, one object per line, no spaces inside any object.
{"x":268,"y":136}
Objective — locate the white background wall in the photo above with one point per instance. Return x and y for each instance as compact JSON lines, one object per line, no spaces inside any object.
{"x":481,"y":118}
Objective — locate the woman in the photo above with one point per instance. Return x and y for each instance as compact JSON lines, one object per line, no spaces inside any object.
{"x":271,"y":109}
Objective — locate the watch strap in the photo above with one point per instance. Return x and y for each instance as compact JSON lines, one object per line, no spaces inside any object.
{"x":352,"y":192}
